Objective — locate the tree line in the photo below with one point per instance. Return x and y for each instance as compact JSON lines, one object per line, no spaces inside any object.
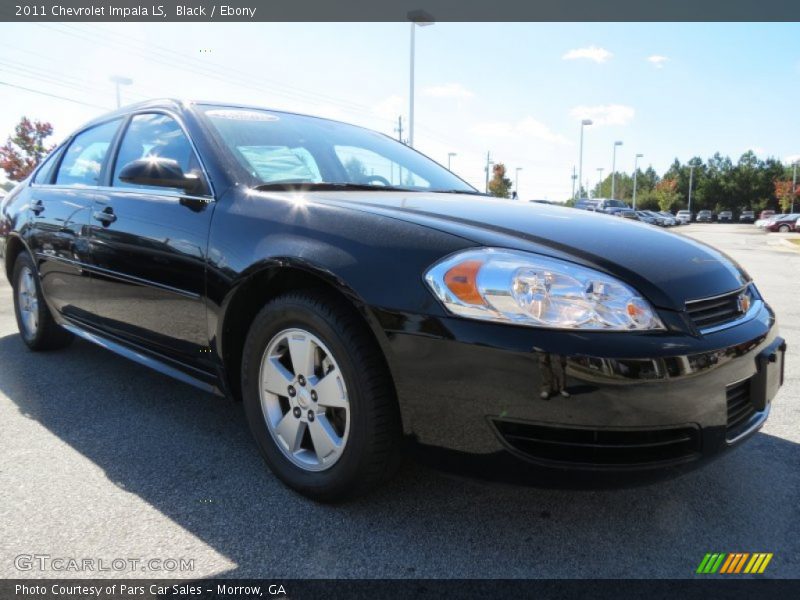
{"x":717,"y":184}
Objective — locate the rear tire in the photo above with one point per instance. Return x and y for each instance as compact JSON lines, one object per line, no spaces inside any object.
{"x":784,"y":228}
{"x":351,"y":442}
{"x":36,"y":325}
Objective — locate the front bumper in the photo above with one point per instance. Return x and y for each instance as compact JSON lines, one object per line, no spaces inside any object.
{"x":577,"y":400}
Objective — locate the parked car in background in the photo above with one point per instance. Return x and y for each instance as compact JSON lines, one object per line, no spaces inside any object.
{"x":671,"y":220}
{"x":613,"y":210}
{"x":725,"y":216}
{"x":705,"y":216}
{"x":646,"y":217}
{"x":783,"y":223}
{"x":659,"y":219}
{"x":762,"y":223}
{"x":604,"y":204}
{"x":684,"y":216}
{"x":766,"y":214}
{"x":586,"y":204}
{"x":627,"y":213}
{"x":747,"y":216}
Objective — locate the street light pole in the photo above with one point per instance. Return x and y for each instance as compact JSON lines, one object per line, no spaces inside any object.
{"x":118,"y":80}
{"x":580,"y":155}
{"x":417,"y":18}
{"x":635,"y":172}
{"x":449,"y":156}
{"x":574,"y":177}
{"x":691,"y":180}
{"x":600,"y":182}
{"x":489,"y":161}
{"x":516,"y":180}
{"x":614,"y":168}
{"x":794,"y":184}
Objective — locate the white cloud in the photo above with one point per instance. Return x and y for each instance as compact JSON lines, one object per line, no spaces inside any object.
{"x":390,"y":108}
{"x":528,"y":128}
{"x":595,"y":53}
{"x":757,"y":150}
{"x":607,"y":114}
{"x":792,"y":158}
{"x":657,"y":60}
{"x":448,"y":90}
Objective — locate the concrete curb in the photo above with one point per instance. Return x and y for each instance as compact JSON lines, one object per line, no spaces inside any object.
{"x":787,"y":242}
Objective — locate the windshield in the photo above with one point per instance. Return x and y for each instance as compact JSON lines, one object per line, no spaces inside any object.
{"x":281,"y":149}
{"x":617,"y":203}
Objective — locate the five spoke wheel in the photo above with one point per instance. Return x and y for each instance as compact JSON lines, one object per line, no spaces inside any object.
{"x":304,"y":399}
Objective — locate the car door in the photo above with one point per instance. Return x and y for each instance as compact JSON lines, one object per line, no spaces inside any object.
{"x":148,"y":246}
{"x":62,"y":198}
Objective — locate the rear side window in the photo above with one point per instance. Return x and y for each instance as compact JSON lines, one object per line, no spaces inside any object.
{"x":83,"y":159}
{"x":45,"y":172}
{"x":155,"y":135}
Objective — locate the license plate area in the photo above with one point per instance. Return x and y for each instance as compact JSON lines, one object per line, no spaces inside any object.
{"x":769,"y":374}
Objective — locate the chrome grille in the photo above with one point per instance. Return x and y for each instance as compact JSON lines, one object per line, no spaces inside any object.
{"x":711,"y":312}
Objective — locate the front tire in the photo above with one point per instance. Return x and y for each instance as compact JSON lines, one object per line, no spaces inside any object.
{"x":319,"y":398}
{"x":36,"y":325}
{"x":784,"y":228}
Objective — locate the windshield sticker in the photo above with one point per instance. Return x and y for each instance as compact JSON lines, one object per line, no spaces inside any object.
{"x":242,"y":115}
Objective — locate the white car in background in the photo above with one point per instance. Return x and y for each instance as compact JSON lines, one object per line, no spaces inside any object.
{"x":684,"y":217}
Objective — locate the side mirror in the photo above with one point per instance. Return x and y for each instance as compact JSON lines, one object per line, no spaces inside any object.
{"x":161,"y":172}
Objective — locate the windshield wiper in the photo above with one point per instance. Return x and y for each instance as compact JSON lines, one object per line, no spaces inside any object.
{"x":326,"y":187}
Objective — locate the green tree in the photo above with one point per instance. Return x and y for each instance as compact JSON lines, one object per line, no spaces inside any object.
{"x":499,"y":185}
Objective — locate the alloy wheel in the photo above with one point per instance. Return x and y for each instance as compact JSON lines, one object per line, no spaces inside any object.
{"x":304,"y":399}
{"x":28,"y":301}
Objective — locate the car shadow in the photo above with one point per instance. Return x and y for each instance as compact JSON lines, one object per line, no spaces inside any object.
{"x":190,"y":456}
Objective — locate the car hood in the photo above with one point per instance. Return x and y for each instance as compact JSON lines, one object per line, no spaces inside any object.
{"x":667,"y":268}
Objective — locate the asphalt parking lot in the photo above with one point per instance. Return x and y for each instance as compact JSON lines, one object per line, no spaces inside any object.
{"x":101,"y":458}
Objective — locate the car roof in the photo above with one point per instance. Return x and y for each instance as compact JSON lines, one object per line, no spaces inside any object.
{"x":178,"y":105}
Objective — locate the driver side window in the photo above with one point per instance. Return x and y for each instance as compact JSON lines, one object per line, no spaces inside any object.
{"x":156,"y":135}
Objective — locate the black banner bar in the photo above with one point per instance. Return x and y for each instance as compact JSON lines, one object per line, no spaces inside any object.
{"x":728,"y":587}
{"x":397,"y":10}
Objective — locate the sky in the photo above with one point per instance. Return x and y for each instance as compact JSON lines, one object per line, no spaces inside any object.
{"x":516,"y":90}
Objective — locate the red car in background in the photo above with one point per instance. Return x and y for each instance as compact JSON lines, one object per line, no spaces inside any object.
{"x":783,"y":223}
{"x":766,"y":214}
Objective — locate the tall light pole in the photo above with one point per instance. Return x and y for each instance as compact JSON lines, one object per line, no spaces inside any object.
{"x":691,"y":180}
{"x":421,"y":19}
{"x":614,"y":168}
{"x":119,"y":80}
{"x":635,"y":172}
{"x":450,"y":155}
{"x":600,"y":181}
{"x":794,"y":183}
{"x":516,"y":179}
{"x":489,"y":162}
{"x":580,"y":155}
{"x":574,"y":177}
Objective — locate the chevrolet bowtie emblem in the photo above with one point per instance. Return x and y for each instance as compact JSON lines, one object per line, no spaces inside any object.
{"x":743,"y":303}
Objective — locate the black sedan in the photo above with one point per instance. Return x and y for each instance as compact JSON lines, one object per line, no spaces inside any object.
{"x":353,"y":293}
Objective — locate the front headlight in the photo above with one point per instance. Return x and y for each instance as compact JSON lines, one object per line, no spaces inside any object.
{"x":493,"y":284}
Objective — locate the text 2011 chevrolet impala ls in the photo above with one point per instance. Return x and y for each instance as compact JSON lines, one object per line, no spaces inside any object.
{"x":351,"y":291}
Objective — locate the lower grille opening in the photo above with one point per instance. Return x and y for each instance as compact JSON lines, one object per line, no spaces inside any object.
{"x":740,"y":408}
{"x":599,"y":448}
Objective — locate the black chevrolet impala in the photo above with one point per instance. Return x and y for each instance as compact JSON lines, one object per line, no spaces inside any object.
{"x":353,"y":294}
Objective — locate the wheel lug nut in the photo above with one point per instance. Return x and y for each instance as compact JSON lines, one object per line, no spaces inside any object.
{"x":311,"y":415}
{"x":314,"y":395}
{"x":301,"y":380}
{"x":292,"y":391}
{"x":296,"y":412}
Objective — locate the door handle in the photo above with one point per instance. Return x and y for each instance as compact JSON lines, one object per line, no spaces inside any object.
{"x":105,"y":216}
{"x":37,"y":206}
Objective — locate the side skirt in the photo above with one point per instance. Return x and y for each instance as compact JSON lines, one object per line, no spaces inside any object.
{"x":206,"y":382}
